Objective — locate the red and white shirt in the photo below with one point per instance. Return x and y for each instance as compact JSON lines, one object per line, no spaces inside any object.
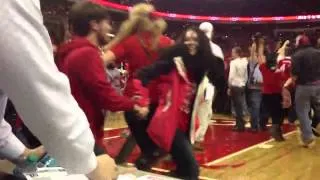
{"x":274,"y":80}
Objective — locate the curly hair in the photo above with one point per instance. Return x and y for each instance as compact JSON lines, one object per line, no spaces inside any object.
{"x":202,"y":62}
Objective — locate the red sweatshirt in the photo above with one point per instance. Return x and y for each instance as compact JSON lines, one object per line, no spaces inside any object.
{"x":274,"y":80}
{"x":137,"y":57}
{"x":81,"y":62}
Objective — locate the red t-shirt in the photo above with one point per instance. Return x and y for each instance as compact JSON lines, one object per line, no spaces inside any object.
{"x":136,"y":56}
{"x":274,"y":80}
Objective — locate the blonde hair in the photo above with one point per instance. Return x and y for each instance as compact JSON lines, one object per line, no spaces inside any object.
{"x":139,"y":21}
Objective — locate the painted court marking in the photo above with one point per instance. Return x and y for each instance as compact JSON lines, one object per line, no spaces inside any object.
{"x":112,"y":137}
{"x":245,"y":150}
{"x":167,"y":171}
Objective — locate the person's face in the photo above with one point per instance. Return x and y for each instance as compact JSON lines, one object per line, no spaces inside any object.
{"x":261,"y":41}
{"x":234,"y":54}
{"x":103,"y":28}
{"x":192,"y":42}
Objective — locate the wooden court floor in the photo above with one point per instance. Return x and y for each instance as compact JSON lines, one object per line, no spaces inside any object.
{"x":262,"y":161}
{"x":265,"y":160}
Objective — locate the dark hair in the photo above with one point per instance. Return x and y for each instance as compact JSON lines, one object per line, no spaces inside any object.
{"x":204,"y":61}
{"x":56,"y":29}
{"x":238,"y":50}
{"x":82,"y":13}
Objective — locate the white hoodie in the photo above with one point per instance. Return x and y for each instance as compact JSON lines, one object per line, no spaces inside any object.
{"x":207,"y":28}
{"x":40,"y":93}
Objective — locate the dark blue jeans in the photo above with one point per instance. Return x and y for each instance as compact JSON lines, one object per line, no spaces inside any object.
{"x":254,"y":98}
{"x":237,"y":98}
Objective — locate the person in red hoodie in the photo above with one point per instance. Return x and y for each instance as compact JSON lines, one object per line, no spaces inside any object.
{"x":80,"y":59}
{"x":139,"y":41}
{"x":275,"y":70}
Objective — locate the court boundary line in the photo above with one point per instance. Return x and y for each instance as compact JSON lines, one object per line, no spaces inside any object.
{"x":167,"y":171}
{"x":245,"y":150}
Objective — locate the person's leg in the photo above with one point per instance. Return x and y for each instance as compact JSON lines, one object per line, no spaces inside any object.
{"x":237,"y":97}
{"x":126,"y":150}
{"x":302,"y":102}
{"x":255,"y":98}
{"x":138,"y":136}
{"x":264,"y":112}
{"x":277,"y":115}
{"x":292,"y":115}
{"x":99,"y":150}
{"x":33,"y":142}
{"x":181,"y":152}
{"x":205,"y":114}
{"x":315,"y":104}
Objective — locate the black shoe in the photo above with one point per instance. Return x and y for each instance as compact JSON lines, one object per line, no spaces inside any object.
{"x":263,"y":128}
{"x":145,"y":162}
{"x":315,"y":129}
{"x":238,"y":129}
{"x":253,"y":130}
{"x":276,"y":133}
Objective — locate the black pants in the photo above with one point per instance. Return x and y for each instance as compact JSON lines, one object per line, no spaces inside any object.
{"x":31,"y":141}
{"x":272,"y":107}
{"x":181,"y":150}
{"x":182,"y":154}
{"x":99,"y":150}
{"x":138,"y":129}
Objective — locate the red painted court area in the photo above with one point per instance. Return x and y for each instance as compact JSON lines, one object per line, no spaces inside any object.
{"x":220,"y":141}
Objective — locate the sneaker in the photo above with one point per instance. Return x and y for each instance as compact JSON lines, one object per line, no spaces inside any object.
{"x":253,"y":130}
{"x":305,"y":143}
{"x":238,"y":129}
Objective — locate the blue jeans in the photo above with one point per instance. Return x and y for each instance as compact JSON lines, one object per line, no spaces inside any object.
{"x":254,"y":103}
{"x":238,"y":98}
{"x":307,"y":96}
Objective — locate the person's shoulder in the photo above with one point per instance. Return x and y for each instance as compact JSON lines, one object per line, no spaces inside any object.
{"x":84,"y":54}
{"x":165,"y":41}
{"x":215,"y":45}
{"x":86,"y":51}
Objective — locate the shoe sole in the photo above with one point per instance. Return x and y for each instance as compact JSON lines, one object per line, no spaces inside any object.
{"x":302,"y":143}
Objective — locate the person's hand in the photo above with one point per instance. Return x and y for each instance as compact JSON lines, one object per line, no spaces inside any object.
{"x":286,"y":98}
{"x":141,"y":111}
{"x":39,"y":152}
{"x":105,"y":170}
{"x":229,"y":92}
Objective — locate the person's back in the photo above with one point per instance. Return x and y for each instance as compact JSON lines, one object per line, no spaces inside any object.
{"x":239,"y":78}
{"x":137,"y":52}
{"x":306,"y":64}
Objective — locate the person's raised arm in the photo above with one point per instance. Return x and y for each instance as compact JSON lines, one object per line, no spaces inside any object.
{"x":41,"y":93}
